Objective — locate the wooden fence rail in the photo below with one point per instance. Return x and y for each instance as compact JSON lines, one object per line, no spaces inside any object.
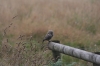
{"x":81,"y":54}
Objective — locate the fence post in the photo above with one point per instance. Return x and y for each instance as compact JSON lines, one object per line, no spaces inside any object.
{"x":94,"y":64}
{"x":75,"y":52}
{"x":56,"y":54}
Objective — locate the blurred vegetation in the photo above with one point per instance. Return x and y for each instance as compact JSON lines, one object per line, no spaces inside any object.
{"x":24,"y":23}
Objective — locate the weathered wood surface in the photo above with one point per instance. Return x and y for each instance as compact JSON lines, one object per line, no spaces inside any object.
{"x":56,"y":54}
{"x":87,"y":56}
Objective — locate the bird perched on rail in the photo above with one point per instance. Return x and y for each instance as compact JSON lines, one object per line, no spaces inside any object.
{"x":48,"y":36}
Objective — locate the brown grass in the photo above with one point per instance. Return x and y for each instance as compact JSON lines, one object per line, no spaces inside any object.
{"x":66,"y":17}
{"x":71,"y":20}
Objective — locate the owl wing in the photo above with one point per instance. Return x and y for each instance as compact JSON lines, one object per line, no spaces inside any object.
{"x":48,"y":36}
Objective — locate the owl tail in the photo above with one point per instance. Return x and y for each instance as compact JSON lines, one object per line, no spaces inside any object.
{"x":43,"y":41}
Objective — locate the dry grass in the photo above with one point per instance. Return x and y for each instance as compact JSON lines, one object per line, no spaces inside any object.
{"x":75,"y":21}
{"x":23,"y":54}
{"x":66,"y":17}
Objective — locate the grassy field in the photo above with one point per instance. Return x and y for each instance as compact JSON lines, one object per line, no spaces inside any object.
{"x":24,"y":23}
